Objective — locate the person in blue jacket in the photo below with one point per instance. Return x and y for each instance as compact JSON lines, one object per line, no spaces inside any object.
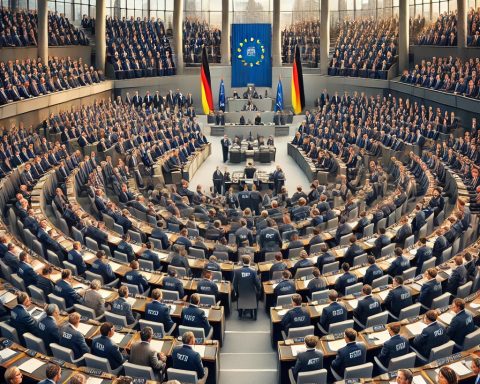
{"x":431,"y":289}
{"x":394,"y":347}
{"x":134,"y":277}
{"x":48,"y":327}
{"x":345,"y":280}
{"x":185,"y":358}
{"x":333,"y":313}
{"x":351,"y":355}
{"x":398,"y":298}
{"x":172,"y":283}
{"x":373,"y":271}
{"x":193,"y":316}
{"x":432,"y":336}
{"x":75,"y":257}
{"x":310,"y":360}
{"x":367,"y":305}
{"x":73,"y":339}
{"x":158,"y":312}
{"x":295,"y":317}
{"x":286,"y":286}
{"x":206,"y":286}
{"x":103,"y":346}
{"x":64,"y":289}
{"x":423,"y":254}
{"x":21,"y":320}
{"x":461,"y":325}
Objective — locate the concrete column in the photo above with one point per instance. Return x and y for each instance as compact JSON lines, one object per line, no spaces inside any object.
{"x":225,"y":44}
{"x":178,"y":33}
{"x":42,"y":49}
{"x":404,"y":31}
{"x":276,"y":35}
{"x":13,"y":4}
{"x":462,"y":23}
{"x":100,"y":34}
{"x":324,"y":36}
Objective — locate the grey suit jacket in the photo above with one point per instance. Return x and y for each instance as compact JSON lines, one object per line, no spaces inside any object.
{"x":94,"y":300}
{"x":142,"y":353}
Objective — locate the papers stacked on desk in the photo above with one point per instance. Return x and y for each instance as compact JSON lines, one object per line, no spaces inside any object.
{"x":447,"y":317}
{"x":379,"y":338}
{"x":131,"y":300}
{"x":336,"y":344}
{"x":383,"y":294}
{"x":84,"y":328}
{"x":94,"y":380}
{"x":172,"y":308}
{"x":319,"y":308}
{"x":371,"y":241}
{"x":157,"y":345}
{"x":282,"y":312}
{"x":105,"y":293}
{"x":145,"y":274}
{"x":6,"y":297}
{"x":31,"y":365}
{"x":353,"y":303}
{"x":418,"y":379}
{"x":362,"y":270}
{"x":115,"y":266}
{"x":475,"y":305}
{"x":459,"y":368}
{"x":206,"y":310}
{"x":298,"y":348}
{"x":200,"y":349}
{"x":416,"y":328}
{"x":6,"y":353}
{"x":118,"y":337}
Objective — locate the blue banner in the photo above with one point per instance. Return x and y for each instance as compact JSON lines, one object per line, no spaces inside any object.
{"x":279,"y":98}
{"x":251,"y":55}
{"x":221,"y":97}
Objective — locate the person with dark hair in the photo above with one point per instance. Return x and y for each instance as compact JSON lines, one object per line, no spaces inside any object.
{"x":247,"y":288}
{"x":446,"y":375}
{"x":325,"y":257}
{"x":103,"y":346}
{"x":318,"y":283}
{"x":458,"y":276}
{"x":21,"y":319}
{"x":142,"y":353}
{"x":158,"y":311}
{"x":431,"y":289}
{"x":352,"y":251}
{"x":193,"y":316}
{"x":64,"y":289}
{"x":310,"y":360}
{"x":122,"y":307}
{"x":286,"y":286}
{"x":462,"y":323}
{"x":206,"y":286}
{"x":53,"y":374}
{"x":295,"y":317}
{"x":394,"y":347}
{"x":373,"y":271}
{"x":349,"y":356}
{"x":404,"y":376}
{"x":423,"y":254}
{"x":135,"y":277}
{"x":367,"y":306}
{"x":345,"y":280}
{"x":399,"y":264}
{"x":398,"y":297}
{"x":380,"y":242}
{"x":432,"y":336}
{"x":172,"y":283}
{"x":184,"y":357}
{"x":333,"y":313}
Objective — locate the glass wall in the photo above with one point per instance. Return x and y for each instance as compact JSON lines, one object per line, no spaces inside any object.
{"x":253,"y":11}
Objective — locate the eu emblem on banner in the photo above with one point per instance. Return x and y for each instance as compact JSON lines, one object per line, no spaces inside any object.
{"x":251,"y":52}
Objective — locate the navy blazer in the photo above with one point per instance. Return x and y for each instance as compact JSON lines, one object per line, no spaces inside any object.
{"x":349,"y":356}
{"x":136,"y":278}
{"x":456,"y":279}
{"x":66,"y":291}
{"x":123,"y":308}
{"x":76,"y":259}
{"x":461,"y":325}
{"x":398,"y":266}
{"x":73,"y":339}
{"x":331,"y":314}
{"x":48,"y":331}
{"x":366,"y":307}
{"x":160,"y":313}
{"x":351,"y":252}
{"x":192,"y":316}
{"x":103,"y":346}
{"x":27,"y":273}
{"x":284,"y":287}
{"x":394,"y":347}
{"x":207,"y":287}
{"x":186,"y":358}
{"x":310,"y":360}
{"x":295,"y":318}
{"x":344,"y":281}
{"x":23,"y":322}
{"x":430,"y":290}
{"x":170,"y":283}
{"x":432,"y":336}
{"x":397,"y":299}
{"x":423,"y":254}
{"x":373,"y":272}
{"x":104,"y":270}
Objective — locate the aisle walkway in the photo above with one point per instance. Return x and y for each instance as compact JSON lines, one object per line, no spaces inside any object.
{"x":247,"y":355}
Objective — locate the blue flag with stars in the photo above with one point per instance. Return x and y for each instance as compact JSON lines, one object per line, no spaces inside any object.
{"x":221,"y":97}
{"x":279,"y":98}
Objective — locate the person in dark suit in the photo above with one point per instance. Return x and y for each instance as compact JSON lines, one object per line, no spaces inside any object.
{"x":122,"y":307}
{"x":63,"y":288}
{"x":351,"y":355}
{"x":245,"y":280}
{"x":423,"y":254}
{"x":25,"y":270}
{"x":404,"y":231}
{"x":158,"y":233}
{"x":249,"y":171}
{"x":185,"y":358}
{"x":286,"y":286}
{"x":206,"y":286}
{"x":462,"y":323}
{"x":218,"y":183}
{"x":353,"y":250}
{"x":458,"y":276}
{"x":101,"y":267}
{"x":333,"y":313}
{"x":310,"y":360}
{"x":193,"y":316}
{"x":142,"y":353}
{"x":432,"y":336}
{"x":367,"y":306}
{"x":398,"y":298}
{"x":75,"y":257}
{"x":48,"y":327}
{"x":134,"y":277}
{"x":21,"y":320}
{"x":380,"y":242}
{"x":373,"y":271}
{"x":71,"y":338}
{"x":270,"y":239}
{"x":396,"y":346}
{"x":226,"y":143}
{"x":325,"y":257}
{"x":318,"y":283}
{"x":103,"y":346}
{"x":159,"y":312}
{"x":53,"y":374}
{"x":43,"y":280}
{"x":295,"y":317}
{"x":399,"y":264}
{"x":419,"y":219}
{"x":345,"y":280}
{"x":431,"y":289}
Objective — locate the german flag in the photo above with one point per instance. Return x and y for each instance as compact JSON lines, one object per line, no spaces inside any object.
{"x":298,"y":94}
{"x":207,"y":99}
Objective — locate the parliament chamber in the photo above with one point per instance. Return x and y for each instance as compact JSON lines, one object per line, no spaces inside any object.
{"x":206,"y":191}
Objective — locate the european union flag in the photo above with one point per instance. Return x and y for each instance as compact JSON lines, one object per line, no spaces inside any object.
{"x":279,"y":98}
{"x":221,"y":97}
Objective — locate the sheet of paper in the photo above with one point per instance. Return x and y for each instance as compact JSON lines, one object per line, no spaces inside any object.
{"x":416,"y":328}
{"x":353,"y":303}
{"x":156,"y":345}
{"x":380,"y":337}
{"x":299,"y":348}
{"x":274,"y":285}
{"x":147,"y":275}
{"x":105,"y":293}
{"x":115,"y":266}
{"x":460,"y":369}
{"x":118,"y":337}
{"x":131,"y":300}
{"x":447,"y":317}
{"x":172,"y":308}
{"x":418,"y":379}
{"x":416,"y":286}
{"x":371,"y":241}
{"x":282,"y":312}
{"x":475,"y":305}
{"x":94,"y":380}
{"x":200,"y":349}
{"x":163,"y":256}
{"x":362,"y":270}
{"x":84,"y":328}
{"x":7,"y":297}
{"x":383,"y":295}
{"x":206,"y":310}
{"x":87,"y":256}
{"x":37,"y":266}
{"x":31,"y":365}
{"x":319,"y":308}
{"x":6,"y":353}
{"x":337,"y":344}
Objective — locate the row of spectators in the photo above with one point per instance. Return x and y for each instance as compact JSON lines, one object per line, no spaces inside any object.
{"x":446,"y":74}
{"x":19,"y":29}
{"x":443,"y":31}
{"x":305,"y":34}
{"x":139,"y":48}
{"x":365,"y":47}
{"x":24,"y":79}
{"x":197,"y":34}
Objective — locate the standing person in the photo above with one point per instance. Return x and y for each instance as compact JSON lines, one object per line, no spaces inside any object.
{"x":247,"y":288}
{"x":226,"y":143}
{"x":218,"y":181}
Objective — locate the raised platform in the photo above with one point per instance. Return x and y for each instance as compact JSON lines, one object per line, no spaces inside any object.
{"x":234,"y":117}
{"x":236,"y":105}
{"x":244,"y":130}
